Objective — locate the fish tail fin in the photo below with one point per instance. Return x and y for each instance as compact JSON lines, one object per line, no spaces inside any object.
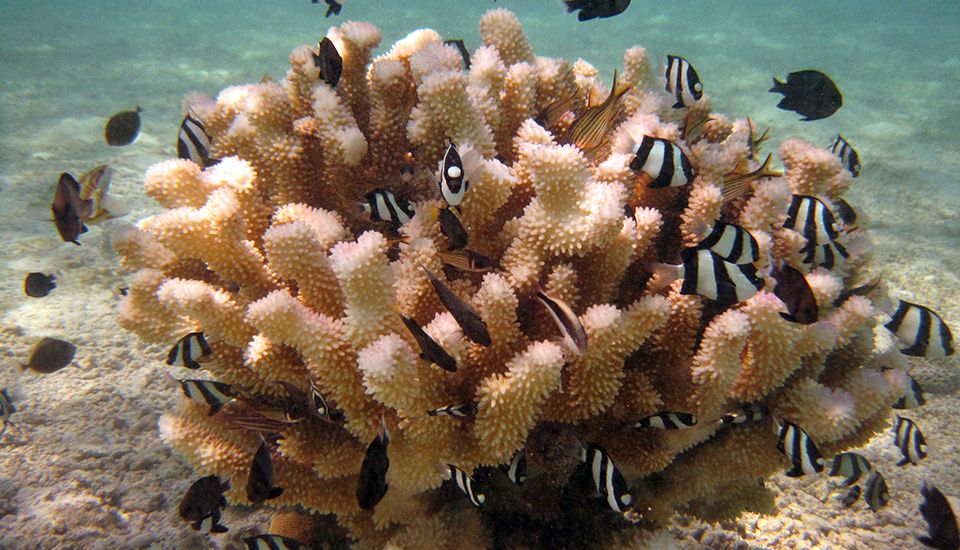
{"x":218,"y":528}
{"x":700,"y":228}
{"x":777,"y":86}
{"x":275,"y":492}
{"x":572,"y":5}
{"x":663,"y":276}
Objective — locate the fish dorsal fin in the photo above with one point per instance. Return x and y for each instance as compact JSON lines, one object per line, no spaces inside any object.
{"x":736,"y":183}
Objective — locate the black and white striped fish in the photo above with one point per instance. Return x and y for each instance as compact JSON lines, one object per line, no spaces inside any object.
{"x":664,"y":162}
{"x":193,"y":143}
{"x":909,"y":439}
{"x":464,"y":410}
{"x":209,"y":524}
{"x":6,"y":409}
{"x":852,"y":496}
{"x":852,"y":466}
{"x":729,"y":241}
{"x":607,"y":479}
{"x":682,"y":82}
{"x":912,"y":398}
{"x":214,"y":394}
{"x":384,"y":206}
{"x":202,"y":502}
{"x":465,"y":483}
{"x":824,"y":255}
{"x":190,"y":351}
{"x":847,"y":215}
{"x":876,"y":495}
{"x":800,"y":449}
{"x":452,"y":183}
{"x":568,"y":322}
{"x":942,"y":531}
{"x":745,"y":412}
{"x":318,"y":403}
{"x":921,"y":328}
{"x":667,"y":421}
{"x":272,"y":542}
{"x":430,"y":350}
{"x":517,"y":469}
{"x":812,"y":218}
{"x":709,"y":275}
{"x":848,"y":155}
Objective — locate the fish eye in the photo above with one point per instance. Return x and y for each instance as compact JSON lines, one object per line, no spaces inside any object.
{"x":626,"y":499}
{"x":481,"y":498}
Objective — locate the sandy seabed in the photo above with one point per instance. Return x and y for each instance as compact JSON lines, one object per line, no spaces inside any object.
{"x":82,"y":466}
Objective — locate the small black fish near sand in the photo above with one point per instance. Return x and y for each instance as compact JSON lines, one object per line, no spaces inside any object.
{"x":333,"y":7}
{"x":50,"y":355}
{"x":430,"y":350}
{"x":462,"y":48}
{"x":260,"y":481}
{"x":202,"y":503}
{"x":372,"y":484}
{"x":38,"y":285}
{"x":942,"y":532}
{"x":6,"y":409}
{"x":67,"y":209}
{"x":328,"y":61}
{"x":795,"y":293}
{"x":809,"y":93}
{"x":452,"y":229}
{"x":466,"y":316}
{"x":272,"y":542}
{"x":596,"y":9}
{"x":123,"y":128}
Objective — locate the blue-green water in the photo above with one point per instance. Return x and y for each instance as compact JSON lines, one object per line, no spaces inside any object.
{"x":66,"y":66}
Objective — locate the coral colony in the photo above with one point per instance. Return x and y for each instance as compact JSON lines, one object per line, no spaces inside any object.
{"x":329,"y":315}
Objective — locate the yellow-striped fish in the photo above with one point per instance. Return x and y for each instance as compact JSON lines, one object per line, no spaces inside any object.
{"x":591,"y":130}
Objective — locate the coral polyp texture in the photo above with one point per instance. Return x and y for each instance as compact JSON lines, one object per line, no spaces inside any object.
{"x":268,"y":253}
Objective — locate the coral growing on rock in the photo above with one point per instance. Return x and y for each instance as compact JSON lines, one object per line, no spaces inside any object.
{"x":268,"y":254}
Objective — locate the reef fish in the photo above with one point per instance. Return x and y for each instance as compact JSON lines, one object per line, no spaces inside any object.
{"x":664,"y":162}
{"x":190,"y":351}
{"x":260,"y":480}
{"x":942,"y":532}
{"x":794,"y":291}
{"x":466,"y":316}
{"x":809,"y":93}
{"x":683,"y":82}
{"x":214,"y":394}
{"x":877,"y":495}
{"x":607,"y":479}
{"x":452,"y":228}
{"x":852,"y":466}
{"x":800,"y":449}
{"x":430,"y":350}
{"x":745,"y":412}
{"x":462,"y":48}
{"x":568,"y":322}
{"x":846,"y":213}
{"x":464,"y":410}
{"x":333,"y":6}
{"x":123,"y":128}
{"x":6,"y":409}
{"x":922,"y":329}
{"x":465,"y":260}
{"x":453,"y":186}
{"x":909,"y":439}
{"x":668,"y":421}
{"x":596,"y":9}
{"x":912,"y":397}
{"x":327,"y":60}
{"x":852,"y":496}
{"x":272,"y":542}
{"x":202,"y":504}
{"x":193,"y":142}
{"x":709,"y":275}
{"x":384,"y":206}
{"x":517,"y":469}
{"x":847,"y":154}
{"x":372,"y":484}
{"x":466,"y":485}
{"x":50,"y":355}
{"x":591,"y":130}
{"x":68,"y":208}
{"x":729,"y":241}
{"x":38,"y":285}
{"x":813,"y":219}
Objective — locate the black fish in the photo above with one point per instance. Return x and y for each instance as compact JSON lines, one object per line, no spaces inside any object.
{"x":6,"y":409}
{"x":333,"y":7}
{"x":260,"y":481}
{"x":847,"y":215}
{"x":469,"y":320}
{"x":38,"y":285}
{"x":941,"y":521}
{"x":67,"y":209}
{"x":193,"y":142}
{"x":203,"y":499}
{"x":328,"y":61}
{"x":272,"y":542}
{"x":430,"y":350}
{"x":123,"y":128}
{"x":452,"y":229}
{"x":795,"y":293}
{"x":592,"y":9}
{"x":372,"y":484}
{"x":683,"y":82}
{"x":847,"y":154}
{"x":462,"y":48}
{"x":50,"y":355}
{"x":809,"y":93}
{"x":925,"y":332}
